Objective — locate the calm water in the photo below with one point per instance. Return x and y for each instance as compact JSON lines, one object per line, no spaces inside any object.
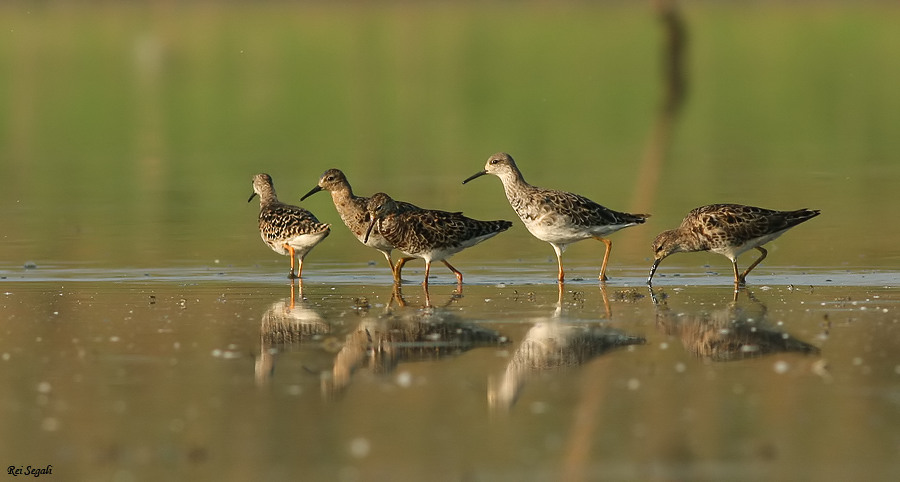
{"x":225,"y":378}
{"x":146,"y":333}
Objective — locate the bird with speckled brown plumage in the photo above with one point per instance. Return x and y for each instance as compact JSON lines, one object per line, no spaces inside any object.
{"x":287,"y":229}
{"x":352,"y":209}
{"x":428,"y":234}
{"x":729,"y":230}
{"x":557,"y":217}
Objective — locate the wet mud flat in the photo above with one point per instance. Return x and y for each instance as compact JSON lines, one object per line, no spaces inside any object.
{"x":229,"y":379}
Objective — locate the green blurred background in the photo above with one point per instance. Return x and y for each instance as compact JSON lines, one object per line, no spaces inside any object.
{"x":129,"y":132}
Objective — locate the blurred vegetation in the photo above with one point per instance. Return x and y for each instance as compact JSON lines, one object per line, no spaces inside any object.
{"x":129,"y":133}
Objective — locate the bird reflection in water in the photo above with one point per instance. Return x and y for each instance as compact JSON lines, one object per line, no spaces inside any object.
{"x":397,"y":296}
{"x":403,"y":335}
{"x":552,"y":343}
{"x":738,"y":331}
{"x":288,"y":323}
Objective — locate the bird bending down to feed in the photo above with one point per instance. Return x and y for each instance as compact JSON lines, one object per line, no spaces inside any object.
{"x":288,"y":230}
{"x":352,"y":210}
{"x":428,"y":234}
{"x":729,"y":230}
{"x":557,"y":217}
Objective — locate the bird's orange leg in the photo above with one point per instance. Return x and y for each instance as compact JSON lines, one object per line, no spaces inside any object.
{"x":399,"y":267}
{"x":455,"y":271}
{"x":427,"y":296}
{"x":608,"y":244}
{"x":290,"y":249}
{"x":737,"y":276}
{"x":560,"y":275}
{"x":427,"y":271}
{"x":743,"y":278}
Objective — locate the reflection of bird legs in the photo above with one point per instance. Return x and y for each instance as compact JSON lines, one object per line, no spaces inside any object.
{"x":427,"y":296}
{"x":292,"y":294}
{"x":605,"y":300}
{"x":299,"y":291}
{"x":608,"y":244}
{"x":656,"y":299}
{"x":750,"y":297}
{"x":560,"y":288}
{"x":457,"y":293}
{"x":397,"y":294}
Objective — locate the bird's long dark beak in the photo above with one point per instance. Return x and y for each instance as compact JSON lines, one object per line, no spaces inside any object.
{"x":311,"y":192}
{"x":653,"y":271}
{"x":252,"y":196}
{"x":369,"y":231}
{"x":473,"y":176}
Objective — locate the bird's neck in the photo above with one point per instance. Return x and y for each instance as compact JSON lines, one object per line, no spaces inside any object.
{"x":267,"y":196}
{"x":342,"y":195}
{"x":514,"y":184}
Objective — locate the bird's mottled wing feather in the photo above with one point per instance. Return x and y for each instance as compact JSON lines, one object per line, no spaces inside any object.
{"x":282,"y":221}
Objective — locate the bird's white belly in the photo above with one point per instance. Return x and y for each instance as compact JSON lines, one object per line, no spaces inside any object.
{"x":277,"y":247}
{"x":732,"y":252}
{"x":440,"y":254}
{"x":301,"y":244}
{"x":558,"y":230}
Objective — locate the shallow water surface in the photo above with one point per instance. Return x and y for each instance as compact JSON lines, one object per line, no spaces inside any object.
{"x":190,"y":374}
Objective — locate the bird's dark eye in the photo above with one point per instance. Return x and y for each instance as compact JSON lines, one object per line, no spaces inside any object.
{"x":329,"y":178}
{"x":495,"y":161}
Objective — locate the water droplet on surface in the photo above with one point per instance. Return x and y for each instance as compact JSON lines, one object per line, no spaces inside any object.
{"x":404,"y":379}
{"x":781,"y":367}
{"x":360,"y":447}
